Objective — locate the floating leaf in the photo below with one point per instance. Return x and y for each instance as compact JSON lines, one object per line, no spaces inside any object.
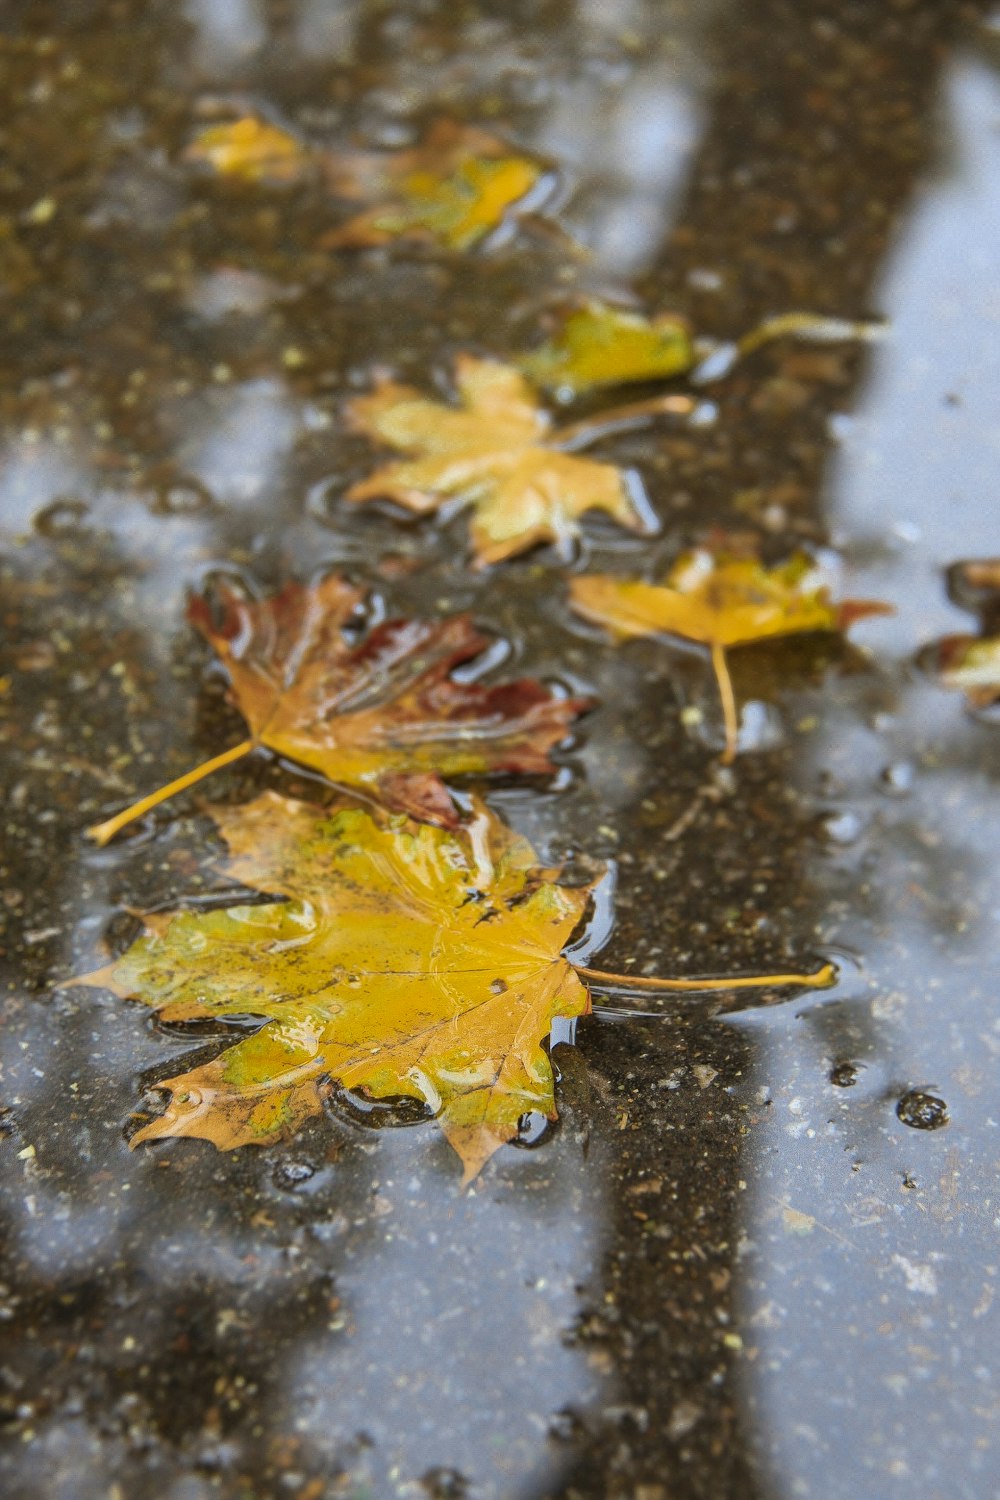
{"x":719,"y":600}
{"x":405,"y":961}
{"x":971,"y":663}
{"x":497,"y":453}
{"x":251,"y":150}
{"x":968,"y":663}
{"x":455,"y":188}
{"x":383,"y":713}
{"x":600,"y":344}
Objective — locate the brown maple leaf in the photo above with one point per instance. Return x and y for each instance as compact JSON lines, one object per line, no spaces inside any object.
{"x":383,"y":713}
{"x":497,"y":452}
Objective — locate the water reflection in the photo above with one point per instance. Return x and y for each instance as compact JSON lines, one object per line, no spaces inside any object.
{"x":226,"y":32}
{"x":332,"y":1311}
{"x":917,"y":463}
{"x":628,"y":132}
{"x":326,"y":28}
{"x":869,"y":1265}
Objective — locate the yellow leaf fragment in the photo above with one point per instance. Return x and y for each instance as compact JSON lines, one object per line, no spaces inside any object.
{"x":600,"y":344}
{"x":495,"y":453}
{"x":251,"y":150}
{"x":403,"y":960}
{"x":719,"y":600}
{"x":455,"y":188}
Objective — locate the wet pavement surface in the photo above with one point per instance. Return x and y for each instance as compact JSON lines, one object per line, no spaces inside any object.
{"x":758,"y":1255}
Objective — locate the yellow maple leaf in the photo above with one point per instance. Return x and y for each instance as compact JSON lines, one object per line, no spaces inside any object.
{"x":404,"y":961}
{"x":496,"y":453}
{"x":719,"y":600}
{"x":250,"y":149}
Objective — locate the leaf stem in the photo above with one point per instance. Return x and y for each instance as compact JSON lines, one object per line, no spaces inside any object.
{"x":820,"y":980}
{"x":603,"y":423}
{"x":102,"y":833}
{"x":721,"y":668}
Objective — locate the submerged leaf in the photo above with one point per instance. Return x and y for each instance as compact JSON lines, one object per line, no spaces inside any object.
{"x":495,"y":452}
{"x":455,"y":188}
{"x":250,"y":149}
{"x":719,"y":600}
{"x":600,"y":344}
{"x":403,"y":961}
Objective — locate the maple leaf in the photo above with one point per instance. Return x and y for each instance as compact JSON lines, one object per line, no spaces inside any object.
{"x":454,"y":188}
{"x":600,"y":344}
{"x":404,"y":961}
{"x":720,"y":600}
{"x":251,"y":150}
{"x":383,"y":713}
{"x":495,"y":452}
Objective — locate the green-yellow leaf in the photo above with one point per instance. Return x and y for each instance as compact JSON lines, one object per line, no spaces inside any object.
{"x":599,"y":344}
{"x":402,"y":960}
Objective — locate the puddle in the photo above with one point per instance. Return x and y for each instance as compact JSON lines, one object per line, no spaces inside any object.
{"x":756,"y":1255}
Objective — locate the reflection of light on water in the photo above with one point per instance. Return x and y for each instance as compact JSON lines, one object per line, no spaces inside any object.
{"x":236,"y":440}
{"x":325,"y":28}
{"x":32,"y":476}
{"x":868,"y":1261}
{"x":226,"y":31}
{"x":458,"y":1312}
{"x":918,"y":465}
{"x":631,"y":134}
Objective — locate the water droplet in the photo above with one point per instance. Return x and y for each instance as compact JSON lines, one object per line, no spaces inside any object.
{"x":359,"y":1109}
{"x":532,"y":1129}
{"x":922,"y":1111}
{"x":291,"y":1174}
{"x":565,"y":1426}
{"x":60,"y":517}
{"x":184,"y":498}
{"x":444,"y":1484}
{"x":841,"y":828}
{"x":896,"y":779}
{"x":844,"y":1075}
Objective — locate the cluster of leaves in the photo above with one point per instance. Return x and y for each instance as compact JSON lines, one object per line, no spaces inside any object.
{"x":453,"y":190}
{"x":411,"y":953}
{"x":408,"y":949}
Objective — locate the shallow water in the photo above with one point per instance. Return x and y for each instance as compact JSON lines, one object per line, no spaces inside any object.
{"x":733,"y":1269}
